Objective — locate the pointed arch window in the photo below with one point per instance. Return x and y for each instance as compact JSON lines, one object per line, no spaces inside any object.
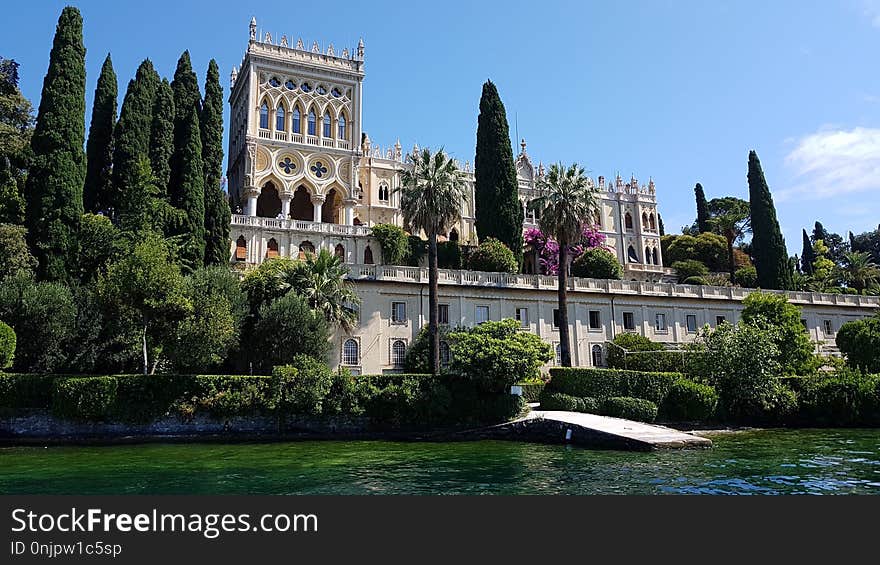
{"x":312,"y":129}
{"x":271,"y":249}
{"x":368,"y":256}
{"x":264,"y":116}
{"x":383,"y":193}
{"x":628,"y":221}
{"x":295,"y":125}
{"x":341,"y":126}
{"x":632,"y":256}
{"x":645,"y":224}
{"x":655,"y":256}
{"x":327,"y":125}
{"x":279,"y":118}
{"x":241,"y":249}
{"x":339,"y":251}
{"x":647,"y":255}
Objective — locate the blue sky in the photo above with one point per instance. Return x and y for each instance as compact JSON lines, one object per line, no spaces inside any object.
{"x":677,"y":90}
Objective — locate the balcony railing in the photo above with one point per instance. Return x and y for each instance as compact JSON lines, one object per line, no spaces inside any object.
{"x":298,"y":225}
{"x":507,"y":280}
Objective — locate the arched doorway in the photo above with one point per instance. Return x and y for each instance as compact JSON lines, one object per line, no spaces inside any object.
{"x":330,"y":209}
{"x":268,"y":203}
{"x":271,"y":248}
{"x":241,"y":249}
{"x":368,"y":256}
{"x":339,"y":251}
{"x":301,"y":205}
{"x":306,"y":248}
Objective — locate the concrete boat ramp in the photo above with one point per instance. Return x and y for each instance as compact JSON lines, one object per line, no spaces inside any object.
{"x":591,"y":430}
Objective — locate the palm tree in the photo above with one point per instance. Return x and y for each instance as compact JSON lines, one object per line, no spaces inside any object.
{"x":730,"y":217}
{"x":320,"y":279}
{"x":859,"y":271}
{"x":432,"y":189}
{"x":566,"y":201}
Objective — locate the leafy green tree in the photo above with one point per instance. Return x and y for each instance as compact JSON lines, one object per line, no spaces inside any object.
{"x":823,"y":277}
{"x":146,"y":284}
{"x":774,"y":313}
{"x":320,"y":279}
{"x":131,"y":137}
{"x":418,"y":354}
{"x":493,"y":256}
{"x":566,"y":199}
{"x":449,"y":255}
{"x":746,"y":277}
{"x":689,"y":268}
{"x":107,"y":338}
{"x":16,"y":128}
{"x":15,"y":257}
{"x":499,"y":213}
{"x":162,"y":137}
{"x":859,"y":271}
{"x":188,"y":190}
{"x":768,"y":245}
{"x":730,"y":218}
{"x":286,"y":328}
{"x":597,"y":263}
{"x":217,"y":213}
{"x":859,"y":341}
{"x":807,"y":255}
{"x":301,"y":387}
{"x":496,"y":355}
{"x":270,"y":280}
{"x":100,"y":244}
{"x":432,"y":190}
{"x":57,"y":169}
{"x":393,"y":241}
{"x":707,"y":248}
{"x":43,"y":316}
{"x":7,"y":346}
{"x":702,"y":210}
{"x":741,"y":362}
{"x":99,"y":149}
{"x":204,"y":339}
{"x":834,"y":242}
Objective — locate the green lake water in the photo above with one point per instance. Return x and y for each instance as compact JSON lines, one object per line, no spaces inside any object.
{"x":755,"y":462}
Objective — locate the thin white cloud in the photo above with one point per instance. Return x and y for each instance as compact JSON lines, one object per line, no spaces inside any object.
{"x":832,"y":162}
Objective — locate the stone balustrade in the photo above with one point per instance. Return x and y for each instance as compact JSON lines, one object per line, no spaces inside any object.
{"x":298,"y":225}
{"x":402,"y":274}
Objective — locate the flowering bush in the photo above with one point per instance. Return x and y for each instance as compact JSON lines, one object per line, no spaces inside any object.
{"x":548,"y":249}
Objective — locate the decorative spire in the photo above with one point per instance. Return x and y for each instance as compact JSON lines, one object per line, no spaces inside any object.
{"x":253,"y":29}
{"x":299,"y":44}
{"x":398,"y":153}
{"x":232,"y":76}
{"x":360,"y":49}
{"x":345,"y":54}
{"x":330,"y":50}
{"x":268,"y":38}
{"x":283,"y":41}
{"x":523,"y":145}
{"x":315,"y":48}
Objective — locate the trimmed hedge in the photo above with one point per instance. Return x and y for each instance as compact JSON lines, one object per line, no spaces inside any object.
{"x":86,"y":398}
{"x":629,"y":408}
{"x":689,"y":401}
{"x":531,"y":392}
{"x":847,"y":399}
{"x":7,"y":346}
{"x":560,"y":401}
{"x":606,"y":383}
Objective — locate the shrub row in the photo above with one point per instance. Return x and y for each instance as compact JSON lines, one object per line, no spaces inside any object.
{"x":531,"y":392}
{"x":561,"y":401}
{"x":844,"y":399}
{"x":605,"y":383}
{"x":617,"y":406}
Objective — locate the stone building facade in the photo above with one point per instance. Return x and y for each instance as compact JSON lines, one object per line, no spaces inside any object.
{"x":303,"y":175}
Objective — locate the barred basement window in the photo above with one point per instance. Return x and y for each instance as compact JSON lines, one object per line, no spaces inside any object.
{"x":350,"y":352}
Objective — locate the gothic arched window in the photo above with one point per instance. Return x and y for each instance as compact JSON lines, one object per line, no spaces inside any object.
{"x":306,"y":87}
{"x":398,"y":352}
{"x":350,"y":352}
{"x":327,"y":131}
{"x":628,"y":221}
{"x":655,"y":257}
{"x":241,"y":249}
{"x":632,"y":256}
{"x":295,"y":126}
{"x":306,"y":247}
{"x":341,"y":127}
{"x":264,"y":116}
{"x":647,"y":255}
{"x":645,"y":224}
{"x":652,"y":222}
{"x":279,"y":118}
{"x":339,"y":251}
{"x":312,"y":129}
{"x":598,"y":361}
{"x":271,"y":248}
{"x":368,"y":256}
{"x":383,"y":193}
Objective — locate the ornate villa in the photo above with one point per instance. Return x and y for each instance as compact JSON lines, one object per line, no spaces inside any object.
{"x":304,"y":176}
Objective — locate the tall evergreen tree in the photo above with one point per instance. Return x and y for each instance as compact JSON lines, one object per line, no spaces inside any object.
{"x":58,"y":167}
{"x":16,"y":128}
{"x":702,"y":209}
{"x":131,"y":138}
{"x":768,"y":245}
{"x":217,"y":214}
{"x":99,"y":148}
{"x":499,"y":213}
{"x":189,"y":193}
{"x":187,"y":98}
{"x":162,"y":137}
{"x":808,"y":255}
{"x":660,"y":226}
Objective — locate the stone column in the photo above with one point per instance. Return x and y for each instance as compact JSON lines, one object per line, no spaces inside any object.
{"x":349,"y":211}
{"x":252,"y":193}
{"x":318,"y":203}
{"x":285,"y":205}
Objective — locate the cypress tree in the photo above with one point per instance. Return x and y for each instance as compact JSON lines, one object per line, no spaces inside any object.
{"x":187,"y":97}
{"x":499,"y":213}
{"x":217,"y":214}
{"x":131,"y":140}
{"x":162,"y":137}
{"x":808,"y":256}
{"x":58,"y":167}
{"x":768,"y":245}
{"x":189,"y":193}
{"x":660,"y":225}
{"x":702,"y":209}
{"x":99,"y":148}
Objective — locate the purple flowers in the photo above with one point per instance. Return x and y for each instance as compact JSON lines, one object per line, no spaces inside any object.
{"x":548,"y":249}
